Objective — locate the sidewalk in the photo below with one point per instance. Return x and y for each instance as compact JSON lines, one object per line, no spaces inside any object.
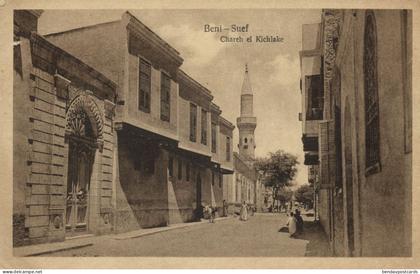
{"x":89,"y":240}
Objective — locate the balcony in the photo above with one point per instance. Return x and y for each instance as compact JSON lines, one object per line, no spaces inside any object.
{"x":310,"y":143}
{"x":311,"y":159}
{"x":314,"y":114}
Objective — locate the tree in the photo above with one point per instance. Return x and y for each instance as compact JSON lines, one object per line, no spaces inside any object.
{"x":305,"y":194}
{"x":278,"y":171}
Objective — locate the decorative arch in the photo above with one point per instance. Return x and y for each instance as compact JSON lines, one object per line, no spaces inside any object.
{"x":81,"y":108}
{"x":371,"y":98}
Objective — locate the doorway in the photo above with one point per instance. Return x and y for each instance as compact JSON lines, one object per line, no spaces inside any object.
{"x":81,"y":156}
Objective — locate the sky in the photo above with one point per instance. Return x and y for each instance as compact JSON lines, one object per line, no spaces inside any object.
{"x":274,"y":68}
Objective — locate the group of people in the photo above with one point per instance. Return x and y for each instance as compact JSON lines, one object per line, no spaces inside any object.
{"x":295,"y":223}
{"x":210,"y":211}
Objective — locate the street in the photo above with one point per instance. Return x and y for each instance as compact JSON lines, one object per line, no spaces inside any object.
{"x":258,"y":236}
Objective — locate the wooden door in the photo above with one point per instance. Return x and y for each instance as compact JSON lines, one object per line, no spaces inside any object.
{"x":78,"y":184}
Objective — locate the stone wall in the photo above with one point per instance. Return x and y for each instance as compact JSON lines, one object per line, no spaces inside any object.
{"x":41,"y":103}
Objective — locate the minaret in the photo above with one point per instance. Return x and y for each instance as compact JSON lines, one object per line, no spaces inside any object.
{"x":246,"y":122}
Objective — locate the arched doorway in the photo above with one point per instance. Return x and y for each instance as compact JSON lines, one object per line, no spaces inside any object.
{"x":83,"y":132}
{"x":348,"y":166}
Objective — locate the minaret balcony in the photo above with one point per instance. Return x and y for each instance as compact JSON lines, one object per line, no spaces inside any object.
{"x":246,"y":120}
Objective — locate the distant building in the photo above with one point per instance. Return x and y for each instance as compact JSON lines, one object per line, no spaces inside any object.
{"x":118,"y":140}
{"x":364,"y":178}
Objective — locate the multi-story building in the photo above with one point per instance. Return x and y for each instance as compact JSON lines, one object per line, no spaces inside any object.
{"x":62,"y":143}
{"x":365,"y":142}
{"x":127,"y":139}
{"x":312,"y":90}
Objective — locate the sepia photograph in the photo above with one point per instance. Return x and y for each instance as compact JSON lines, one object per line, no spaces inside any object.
{"x":212,"y":133}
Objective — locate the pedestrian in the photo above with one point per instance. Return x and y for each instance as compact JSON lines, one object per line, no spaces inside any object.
{"x":299,"y":221}
{"x":225,"y":209}
{"x":291,"y":224}
{"x":244,"y":212}
{"x":213,"y":213}
{"x":209,"y":212}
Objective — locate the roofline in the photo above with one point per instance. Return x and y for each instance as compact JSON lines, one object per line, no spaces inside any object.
{"x":36,"y":13}
{"x":81,"y":28}
{"x":96,"y":74}
{"x":215,"y":108}
{"x":152,"y":32}
{"x":137,"y":27}
{"x":226,"y":122}
{"x":189,"y":80}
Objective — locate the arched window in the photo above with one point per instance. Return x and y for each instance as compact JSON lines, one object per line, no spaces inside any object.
{"x":371,"y":94}
{"x":246,"y":140}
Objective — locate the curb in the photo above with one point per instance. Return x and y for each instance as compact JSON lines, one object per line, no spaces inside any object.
{"x":168,"y":228}
{"x":20,"y":252}
{"x":52,"y":250}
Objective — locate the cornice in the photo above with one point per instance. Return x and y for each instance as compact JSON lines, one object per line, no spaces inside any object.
{"x":138,"y":28}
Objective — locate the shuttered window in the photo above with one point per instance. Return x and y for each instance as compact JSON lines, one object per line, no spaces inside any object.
{"x":213,"y":138}
{"x":165,"y":97}
{"x":315,"y":90}
{"x":193,"y":122}
{"x":145,"y":72}
{"x":204,"y":127}
{"x":227,"y":148}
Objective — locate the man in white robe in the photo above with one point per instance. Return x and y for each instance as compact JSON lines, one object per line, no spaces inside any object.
{"x":244,"y":212}
{"x":291,"y":224}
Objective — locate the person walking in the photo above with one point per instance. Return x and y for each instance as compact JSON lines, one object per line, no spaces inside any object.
{"x":291,"y":224}
{"x":244,"y":212}
{"x":225,"y":209}
{"x":299,"y":221}
{"x":209,"y":212}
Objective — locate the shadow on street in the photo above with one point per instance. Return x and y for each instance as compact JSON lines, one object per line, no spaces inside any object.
{"x":317,"y":240}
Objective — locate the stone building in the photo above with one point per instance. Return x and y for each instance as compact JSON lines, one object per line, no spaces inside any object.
{"x":62,"y":144}
{"x":136,"y":142}
{"x":365,"y":145}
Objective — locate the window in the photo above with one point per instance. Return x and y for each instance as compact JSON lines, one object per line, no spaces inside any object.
{"x":171,"y":166}
{"x":371,"y":94}
{"x":204,"y":127}
{"x":179,"y":170}
{"x":246,"y":140}
{"x":315,"y":90}
{"x":145,"y":72}
{"x":212,"y":178}
{"x":213,"y":138}
{"x":187,"y":171}
{"x":165,"y":97}
{"x":227,"y":148}
{"x":193,"y":122}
